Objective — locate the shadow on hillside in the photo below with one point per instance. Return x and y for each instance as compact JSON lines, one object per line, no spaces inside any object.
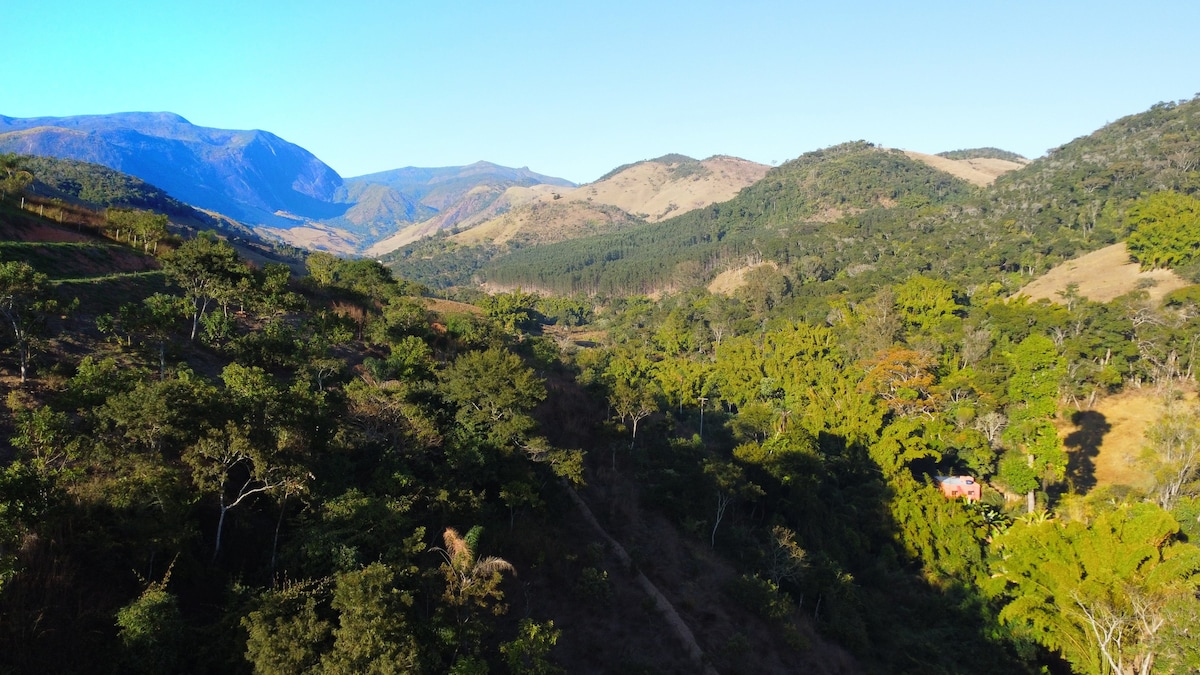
{"x":1083,"y":444}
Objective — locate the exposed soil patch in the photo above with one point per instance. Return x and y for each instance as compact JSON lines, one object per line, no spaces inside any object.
{"x":315,"y":238}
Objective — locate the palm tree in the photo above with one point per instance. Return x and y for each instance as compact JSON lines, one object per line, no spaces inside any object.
{"x":469,"y":578}
{"x":472,"y":583}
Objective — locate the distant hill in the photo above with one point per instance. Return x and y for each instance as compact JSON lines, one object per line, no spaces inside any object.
{"x":670,"y":185}
{"x":646,"y":191}
{"x":97,"y":186}
{"x":542,"y":222}
{"x":441,"y":188}
{"x":981,"y":171}
{"x":252,"y":176}
{"x":424,"y":201}
{"x":984,"y":153}
{"x":850,"y":218}
{"x":261,"y":180}
{"x":762,"y":221}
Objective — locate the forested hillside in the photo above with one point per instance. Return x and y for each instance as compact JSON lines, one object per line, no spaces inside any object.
{"x":786,"y":217}
{"x":845,"y":214}
{"x":214,"y":466}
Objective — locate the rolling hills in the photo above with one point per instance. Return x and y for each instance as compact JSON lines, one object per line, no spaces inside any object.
{"x":856,"y":215}
{"x":265,"y":182}
{"x":645,"y":192}
{"x":740,"y":479}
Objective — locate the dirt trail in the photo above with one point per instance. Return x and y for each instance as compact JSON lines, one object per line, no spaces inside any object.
{"x":664,"y":606}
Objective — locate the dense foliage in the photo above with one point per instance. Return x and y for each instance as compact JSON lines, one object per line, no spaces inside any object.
{"x":223,"y":468}
{"x":982,"y":153}
{"x":99,"y":185}
{"x":854,"y":216}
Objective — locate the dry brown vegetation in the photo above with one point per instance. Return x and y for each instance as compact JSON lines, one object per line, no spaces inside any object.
{"x":440,"y":306}
{"x":1119,"y":424}
{"x":981,"y":171}
{"x":649,"y":191}
{"x":510,"y":199}
{"x":315,"y":237}
{"x":543,"y":222}
{"x":729,"y":281}
{"x":1102,"y":276}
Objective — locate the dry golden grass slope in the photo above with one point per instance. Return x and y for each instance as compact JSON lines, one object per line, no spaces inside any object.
{"x":651,"y":191}
{"x":1119,"y":424}
{"x":982,"y":171}
{"x":729,"y":281}
{"x":315,"y":237}
{"x":654,"y":191}
{"x":541,"y":222}
{"x":511,"y":198}
{"x":1123,"y":419}
{"x":1102,"y":275}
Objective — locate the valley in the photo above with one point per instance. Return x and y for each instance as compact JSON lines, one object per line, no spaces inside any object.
{"x":694,"y":416}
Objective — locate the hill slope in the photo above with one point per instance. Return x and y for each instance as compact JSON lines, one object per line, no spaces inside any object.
{"x":252,"y":176}
{"x":817,"y":188}
{"x":646,"y":191}
{"x":1103,"y":275}
{"x":436,"y":199}
{"x":671,"y":185}
{"x":855,"y":216}
{"x":981,"y":171}
{"x":266,"y":182}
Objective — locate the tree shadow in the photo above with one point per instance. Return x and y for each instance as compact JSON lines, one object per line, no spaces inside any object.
{"x":1083,"y":445}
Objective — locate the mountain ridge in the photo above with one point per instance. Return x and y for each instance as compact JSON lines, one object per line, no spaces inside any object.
{"x":264,"y":181}
{"x":249,"y":175}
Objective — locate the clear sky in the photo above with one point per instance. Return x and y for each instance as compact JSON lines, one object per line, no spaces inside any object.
{"x":575,"y":89}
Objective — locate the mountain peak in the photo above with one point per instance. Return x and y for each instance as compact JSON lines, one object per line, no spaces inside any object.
{"x":248,"y":175}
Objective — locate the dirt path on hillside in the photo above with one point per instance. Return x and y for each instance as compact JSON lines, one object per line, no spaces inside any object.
{"x":664,"y":606}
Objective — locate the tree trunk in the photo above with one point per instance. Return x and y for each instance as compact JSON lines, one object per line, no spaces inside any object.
{"x":722,"y":504}
{"x":1030,"y":502}
{"x":278,"y":524}
{"x":220,"y":528}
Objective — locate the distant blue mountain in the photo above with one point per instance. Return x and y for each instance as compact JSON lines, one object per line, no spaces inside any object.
{"x":260,"y":179}
{"x":439,"y":188}
{"x":442,"y":197}
{"x":253,"y":176}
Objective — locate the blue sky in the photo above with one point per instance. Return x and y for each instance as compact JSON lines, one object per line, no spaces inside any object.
{"x":576,"y":89}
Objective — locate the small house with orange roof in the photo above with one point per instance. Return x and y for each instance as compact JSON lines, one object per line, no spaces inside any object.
{"x":960,"y":486}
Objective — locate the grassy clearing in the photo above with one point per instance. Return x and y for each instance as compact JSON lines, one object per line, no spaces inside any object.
{"x":1115,"y":433}
{"x":110,"y":277}
{"x":105,"y":294}
{"x":1102,"y":276}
